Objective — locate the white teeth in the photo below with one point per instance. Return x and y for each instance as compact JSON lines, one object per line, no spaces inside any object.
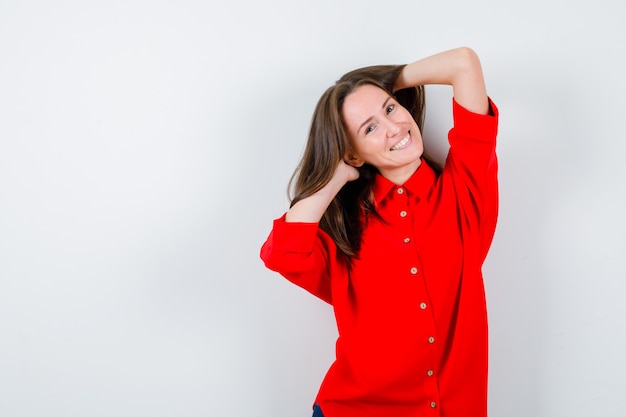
{"x":401,"y":143}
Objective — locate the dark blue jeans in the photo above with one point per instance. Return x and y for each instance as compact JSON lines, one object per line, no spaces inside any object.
{"x":317,"y":411}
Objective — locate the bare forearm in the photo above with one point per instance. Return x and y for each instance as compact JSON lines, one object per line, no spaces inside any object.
{"x":459,"y":68}
{"x":312,"y":208}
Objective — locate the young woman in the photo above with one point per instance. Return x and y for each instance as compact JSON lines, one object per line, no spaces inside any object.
{"x":394,"y":243}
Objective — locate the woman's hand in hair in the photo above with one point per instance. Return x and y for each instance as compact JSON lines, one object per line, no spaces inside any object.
{"x":312,"y":208}
{"x":346,"y":170}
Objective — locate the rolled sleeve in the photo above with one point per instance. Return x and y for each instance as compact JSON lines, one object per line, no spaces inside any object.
{"x":300,"y":252}
{"x":293,"y":237}
{"x":469,"y":125}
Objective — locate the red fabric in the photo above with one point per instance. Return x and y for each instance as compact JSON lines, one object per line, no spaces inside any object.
{"x":411,"y":312}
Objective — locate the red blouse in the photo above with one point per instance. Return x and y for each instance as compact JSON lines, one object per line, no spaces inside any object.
{"x":411,"y":311}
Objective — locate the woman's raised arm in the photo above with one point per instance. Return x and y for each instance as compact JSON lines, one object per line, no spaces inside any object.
{"x":312,"y":208}
{"x":459,"y":68}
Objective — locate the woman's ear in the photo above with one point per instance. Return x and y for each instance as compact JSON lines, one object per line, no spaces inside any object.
{"x":353,"y":160}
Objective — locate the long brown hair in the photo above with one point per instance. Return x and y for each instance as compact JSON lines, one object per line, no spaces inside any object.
{"x":328,"y":144}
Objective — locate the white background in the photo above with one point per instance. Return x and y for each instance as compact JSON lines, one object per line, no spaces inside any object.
{"x":145,"y":147}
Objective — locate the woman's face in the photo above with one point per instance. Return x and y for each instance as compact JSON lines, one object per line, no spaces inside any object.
{"x":383,"y":133}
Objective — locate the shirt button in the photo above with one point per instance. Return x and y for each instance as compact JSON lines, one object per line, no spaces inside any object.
{"x":433,"y":404}
{"x":430,"y":372}
{"x":423,"y":306}
{"x":400,"y":191}
{"x":403,"y":213}
{"x":431,"y":339}
{"x":407,"y":239}
{"x":414,"y":270}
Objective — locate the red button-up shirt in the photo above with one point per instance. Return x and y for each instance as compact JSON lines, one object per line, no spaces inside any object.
{"x":410,"y":311}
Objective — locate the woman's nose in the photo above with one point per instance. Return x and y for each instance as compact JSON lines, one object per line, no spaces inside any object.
{"x":393,"y":128}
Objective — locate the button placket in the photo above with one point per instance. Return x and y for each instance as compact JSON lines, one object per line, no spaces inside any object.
{"x":400,"y":191}
{"x":413,"y":267}
{"x":404,"y":214}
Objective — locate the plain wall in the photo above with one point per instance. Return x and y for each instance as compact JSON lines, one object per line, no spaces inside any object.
{"x":145,"y":148}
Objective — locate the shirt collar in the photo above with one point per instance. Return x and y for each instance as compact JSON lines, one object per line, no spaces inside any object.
{"x":418,"y":184}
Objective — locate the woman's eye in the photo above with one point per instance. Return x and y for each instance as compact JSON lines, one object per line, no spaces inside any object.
{"x":390,"y":108}
{"x":369,"y":129}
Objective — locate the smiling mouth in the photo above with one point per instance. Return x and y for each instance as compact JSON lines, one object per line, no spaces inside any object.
{"x":401,"y":144}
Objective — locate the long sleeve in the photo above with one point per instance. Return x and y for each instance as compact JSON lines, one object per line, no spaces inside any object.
{"x":473,"y":164}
